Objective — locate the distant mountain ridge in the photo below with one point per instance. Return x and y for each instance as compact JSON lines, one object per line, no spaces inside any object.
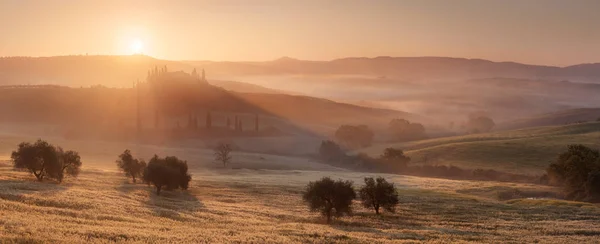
{"x":121,"y":71}
{"x":411,"y":67}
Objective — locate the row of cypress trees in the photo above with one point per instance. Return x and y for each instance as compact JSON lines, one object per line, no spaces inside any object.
{"x":237,"y":123}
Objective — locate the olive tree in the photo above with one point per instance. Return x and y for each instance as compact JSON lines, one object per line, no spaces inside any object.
{"x":577,"y":170}
{"x":378,"y":193}
{"x":169,"y":172}
{"x":132,"y":167}
{"x":331,"y":198}
{"x":44,"y":160}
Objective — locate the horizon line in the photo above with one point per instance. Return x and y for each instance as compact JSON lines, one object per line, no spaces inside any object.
{"x":290,"y":58}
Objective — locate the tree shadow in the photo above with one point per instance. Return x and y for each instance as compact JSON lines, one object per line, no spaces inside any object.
{"x":178,"y":205}
{"x":23,"y":190}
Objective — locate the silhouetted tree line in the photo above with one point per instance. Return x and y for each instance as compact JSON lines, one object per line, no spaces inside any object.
{"x":577,"y":170}
{"x":173,"y":93}
{"x":334,"y":198}
{"x":394,"y":160}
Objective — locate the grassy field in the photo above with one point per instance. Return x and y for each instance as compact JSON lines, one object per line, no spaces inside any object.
{"x":519,"y":151}
{"x":264,"y":206}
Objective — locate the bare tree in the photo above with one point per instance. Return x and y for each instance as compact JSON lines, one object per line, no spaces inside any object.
{"x":222,"y":153}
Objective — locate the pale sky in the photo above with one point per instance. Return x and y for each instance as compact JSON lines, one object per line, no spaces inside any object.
{"x":553,"y":32}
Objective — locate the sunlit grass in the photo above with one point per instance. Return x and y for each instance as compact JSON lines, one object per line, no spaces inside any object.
{"x":265,"y":206}
{"x":520,"y":151}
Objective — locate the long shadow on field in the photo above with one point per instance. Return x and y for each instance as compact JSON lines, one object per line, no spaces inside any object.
{"x":175,"y":204}
{"x":19,"y":189}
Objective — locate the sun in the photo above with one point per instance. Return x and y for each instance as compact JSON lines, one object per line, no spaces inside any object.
{"x":136,"y":46}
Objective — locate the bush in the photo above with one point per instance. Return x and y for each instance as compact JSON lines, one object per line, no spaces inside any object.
{"x":169,"y":172}
{"x":404,"y":130}
{"x":132,"y":167}
{"x":330,"y":151}
{"x":379,"y":193}
{"x":44,"y":160}
{"x":331,"y":198}
{"x":577,"y":171}
{"x":395,"y":157}
{"x":479,"y":124}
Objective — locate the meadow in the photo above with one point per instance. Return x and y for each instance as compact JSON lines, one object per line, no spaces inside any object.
{"x":521,"y":151}
{"x":265,"y":206}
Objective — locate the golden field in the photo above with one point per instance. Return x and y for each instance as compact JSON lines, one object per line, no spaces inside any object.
{"x":265,"y":206}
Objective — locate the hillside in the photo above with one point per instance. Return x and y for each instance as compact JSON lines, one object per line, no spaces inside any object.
{"x":117,"y":107}
{"x":557,"y":118}
{"x":519,"y":151}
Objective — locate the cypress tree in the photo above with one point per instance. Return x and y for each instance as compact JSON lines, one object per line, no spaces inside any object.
{"x":208,"y":120}
{"x":256,"y":123}
{"x":237,"y":124}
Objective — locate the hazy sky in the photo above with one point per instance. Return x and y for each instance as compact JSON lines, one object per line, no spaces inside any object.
{"x":555,"y":32}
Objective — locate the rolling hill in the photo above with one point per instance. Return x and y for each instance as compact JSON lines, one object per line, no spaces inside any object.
{"x":557,"y":118}
{"x":519,"y":151}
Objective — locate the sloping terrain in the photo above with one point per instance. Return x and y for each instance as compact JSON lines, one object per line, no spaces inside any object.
{"x":111,"y":106}
{"x":519,"y":151}
{"x":557,"y":118}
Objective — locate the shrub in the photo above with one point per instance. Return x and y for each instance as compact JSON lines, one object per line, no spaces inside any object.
{"x":592,"y":187}
{"x":330,"y":151}
{"x":44,"y":160}
{"x":576,"y":170}
{"x":396,"y":157}
{"x":404,"y":130}
{"x":222,"y":152}
{"x":169,"y":172}
{"x":478,"y":124}
{"x":379,"y":193}
{"x":131,"y":166}
{"x":331,"y":198}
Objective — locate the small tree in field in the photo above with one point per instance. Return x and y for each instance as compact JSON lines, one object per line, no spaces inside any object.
{"x":71,"y":164}
{"x":331,"y":198}
{"x":379,"y":194}
{"x":131,"y":166}
{"x":222,"y":153}
{"x":44,"y":160}
{"x":169,"y":172}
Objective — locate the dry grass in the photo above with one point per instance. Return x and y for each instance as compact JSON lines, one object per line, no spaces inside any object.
{"x":526,"y":151}
{"x":264,"y":206}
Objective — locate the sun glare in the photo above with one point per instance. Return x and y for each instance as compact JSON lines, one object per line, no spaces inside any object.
{"x":136,"y":46}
